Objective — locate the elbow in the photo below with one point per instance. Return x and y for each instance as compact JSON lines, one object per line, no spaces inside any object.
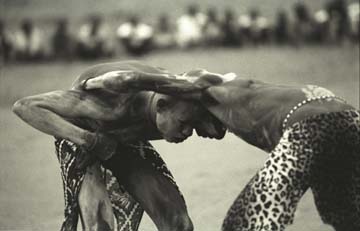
{"x":21,"y":106}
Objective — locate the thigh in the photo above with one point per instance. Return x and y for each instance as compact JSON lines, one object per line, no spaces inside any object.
{"x":269,"y":200}
{"x":144,"y":175}
{"x":94,"y":202}
{"x":335,"y":180}
{"x":84,"y":191}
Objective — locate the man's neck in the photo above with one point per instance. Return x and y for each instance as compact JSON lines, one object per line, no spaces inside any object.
{"x":150,"y":108}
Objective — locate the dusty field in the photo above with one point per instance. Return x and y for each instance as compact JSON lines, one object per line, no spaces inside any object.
{"x":209,"y":173}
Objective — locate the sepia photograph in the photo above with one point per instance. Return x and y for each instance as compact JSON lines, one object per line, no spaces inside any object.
{"x":159,"y":115}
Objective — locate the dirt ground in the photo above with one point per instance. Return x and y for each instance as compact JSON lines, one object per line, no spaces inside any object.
{"x":209,"y":173}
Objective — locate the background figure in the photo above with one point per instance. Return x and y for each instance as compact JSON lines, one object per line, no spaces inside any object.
{"x":254,"y":28}
{"x":29,"y":42}
{"x":303,"y":26}
{"x":61,"y":41}
{"x":354,"y":17}
{"x":164,"y":36}
{"x":189,"y":27}
{"x":5,"y":43}
{"x":212,"y":32}
{"x":321,"y":26}
{"x":135,"y":36}
{"x":230,"y":29}
{"x":338,"y":21}
{"x":282,"y":28}
{"x":94,"y":39}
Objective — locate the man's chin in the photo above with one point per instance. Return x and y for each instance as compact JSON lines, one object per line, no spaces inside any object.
{"x":175,"y":140}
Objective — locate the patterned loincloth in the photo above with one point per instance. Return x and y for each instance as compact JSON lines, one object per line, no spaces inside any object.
{"x":321,"y":152}
{"x":127,"y":211}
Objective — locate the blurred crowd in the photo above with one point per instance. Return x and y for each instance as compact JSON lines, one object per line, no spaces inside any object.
{"x":336,"y":23}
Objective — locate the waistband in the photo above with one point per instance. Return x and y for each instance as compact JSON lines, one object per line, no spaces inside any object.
{"x":353,"y":113}
{"x":307,"y":101}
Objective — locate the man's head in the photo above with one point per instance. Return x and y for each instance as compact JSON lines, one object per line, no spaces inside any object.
{"x":176,"y":120}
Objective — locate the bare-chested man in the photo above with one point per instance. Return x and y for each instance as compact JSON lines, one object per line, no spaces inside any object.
{"x":113,"y":127}
{"x":312,"y":136}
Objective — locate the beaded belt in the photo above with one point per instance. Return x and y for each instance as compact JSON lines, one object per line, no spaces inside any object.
{"x":306,"y":101}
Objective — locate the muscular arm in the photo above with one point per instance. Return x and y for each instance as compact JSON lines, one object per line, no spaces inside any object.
{"x":179,"y":86}
{"x":48,"y":113}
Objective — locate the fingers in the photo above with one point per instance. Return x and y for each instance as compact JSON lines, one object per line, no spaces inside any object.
{"x":93,"y":83}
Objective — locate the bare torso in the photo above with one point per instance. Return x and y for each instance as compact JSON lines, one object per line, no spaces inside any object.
{"x":255,"y":111}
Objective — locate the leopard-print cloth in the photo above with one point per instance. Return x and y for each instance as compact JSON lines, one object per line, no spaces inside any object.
{"x":321,"y":152}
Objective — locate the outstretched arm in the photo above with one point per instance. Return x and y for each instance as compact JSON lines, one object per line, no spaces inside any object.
{"x":181,"y":86}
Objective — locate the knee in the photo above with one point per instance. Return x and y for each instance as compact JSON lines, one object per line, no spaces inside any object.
{"x":178,"y":223}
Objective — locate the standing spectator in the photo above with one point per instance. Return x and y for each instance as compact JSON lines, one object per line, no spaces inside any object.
{"x":29,"y":44}
{"x":230,"y":29}
{"x":303,"y":25}
{"x":189,"y":27}
{"x":5,"y":43}
{"x":212,"y":32}
{"x":135,"y":36}
{"x":164,"y":36}
{"x":94,"y":40}
{"x":62,"y":41}
{"x":282,"y":28}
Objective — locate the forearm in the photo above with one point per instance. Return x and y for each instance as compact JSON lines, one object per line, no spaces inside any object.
{"x":126,"y":81}
{"x":51,"y":123}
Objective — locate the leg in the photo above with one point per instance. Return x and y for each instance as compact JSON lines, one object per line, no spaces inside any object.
{"x":84,"y":193}
{"x":144,"y":176}
{"x":269,"y":200}
{"x":335,"y":180}
{"x":94,"y":202}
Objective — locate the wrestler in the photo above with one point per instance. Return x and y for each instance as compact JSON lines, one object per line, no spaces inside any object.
{"x":114,"y":128}
{"x":311,"y":135}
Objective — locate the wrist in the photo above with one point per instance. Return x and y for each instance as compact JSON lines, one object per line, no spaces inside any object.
{"x":90,"y":140}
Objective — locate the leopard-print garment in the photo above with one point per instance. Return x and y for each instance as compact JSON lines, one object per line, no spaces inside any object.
{"x":321,"y":152}
{"x":127,"y":211}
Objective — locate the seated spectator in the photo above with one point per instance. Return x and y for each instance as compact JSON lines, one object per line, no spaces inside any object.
{"x":304,"y":25}
{"x":135,"y":36}
{"x":321,"y":26}
{"x":189,"y":27}
{"x":230,"y":29}
{"x":254,"y":27}
{"x":164,"y":36}
{"x":29,"y":44}
{"x":282,"y":28}
{"x":62,"y":41}
{"x":354,"y":17}
{"x":94,"y":40}
{"x":339,"y":25}
{"x":5,"y":43}
{"x":212,"y":32}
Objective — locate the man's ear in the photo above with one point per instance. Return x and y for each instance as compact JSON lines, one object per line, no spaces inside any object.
{"x":162,"y":104}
